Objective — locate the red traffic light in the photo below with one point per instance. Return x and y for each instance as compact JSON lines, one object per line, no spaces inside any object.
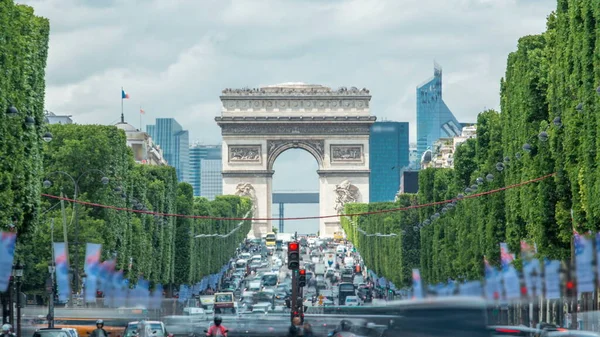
{"x":293,"y":246}
{"x":570,"y":285}
{"x":302,"y":272}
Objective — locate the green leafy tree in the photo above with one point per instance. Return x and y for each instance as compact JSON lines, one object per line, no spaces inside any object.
{"x":23,"y":54}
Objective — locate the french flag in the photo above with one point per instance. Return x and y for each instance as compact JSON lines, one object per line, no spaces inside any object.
{"x":124,"y":95}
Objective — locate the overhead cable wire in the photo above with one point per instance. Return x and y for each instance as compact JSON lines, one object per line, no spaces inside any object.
{"x":399,"y":209}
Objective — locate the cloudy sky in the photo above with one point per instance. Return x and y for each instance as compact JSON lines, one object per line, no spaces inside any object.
{"x":175,"y":56}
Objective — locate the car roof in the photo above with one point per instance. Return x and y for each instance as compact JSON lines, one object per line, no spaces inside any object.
{"x":46,"y":329}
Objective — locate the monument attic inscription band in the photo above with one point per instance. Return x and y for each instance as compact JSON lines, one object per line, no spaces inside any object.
{"x":258,"y":125}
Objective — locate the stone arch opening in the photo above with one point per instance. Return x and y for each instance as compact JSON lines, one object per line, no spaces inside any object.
{"x":295,"y":191}
{"x":276,"y":147}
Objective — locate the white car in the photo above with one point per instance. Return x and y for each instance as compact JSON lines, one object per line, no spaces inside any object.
{"x":72,"y":332}
{"x":352,"y":301}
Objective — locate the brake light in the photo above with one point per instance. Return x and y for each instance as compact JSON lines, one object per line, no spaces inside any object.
{"x":504,"y":330}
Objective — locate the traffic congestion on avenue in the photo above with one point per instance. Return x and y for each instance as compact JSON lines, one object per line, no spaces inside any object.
{"x":284,"y":285}
{"x":300,"y":168}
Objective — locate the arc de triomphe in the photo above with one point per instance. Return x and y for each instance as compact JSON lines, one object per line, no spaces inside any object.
{"x":258,"y":125}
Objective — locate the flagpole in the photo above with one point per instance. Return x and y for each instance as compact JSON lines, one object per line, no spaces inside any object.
{"x":122,"y":116}
{"x":140,"y":118}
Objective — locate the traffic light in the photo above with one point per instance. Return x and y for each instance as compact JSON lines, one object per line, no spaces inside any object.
{"x":293,"y":255}
{"x":302,"y":278}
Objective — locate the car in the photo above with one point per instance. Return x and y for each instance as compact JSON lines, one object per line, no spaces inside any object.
{"x":146,"y":329}
{"x":52,"y":332}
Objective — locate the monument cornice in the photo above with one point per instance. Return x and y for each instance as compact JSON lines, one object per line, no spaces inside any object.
{"x":344,"y":173}
{"x":295,"y":90}
{"x":293,"y":97}
{"x":246,"y":174}
{"x":290,"y":128}
{"x":296,"y":119}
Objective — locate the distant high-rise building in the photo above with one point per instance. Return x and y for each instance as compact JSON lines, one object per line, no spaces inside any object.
{"x":388,"y":156}
{"x":434,"y":118}
{"x":174,"y":142}
{"x":205,"y":170}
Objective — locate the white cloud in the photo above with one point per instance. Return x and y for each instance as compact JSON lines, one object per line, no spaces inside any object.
{"x":175,"y":56}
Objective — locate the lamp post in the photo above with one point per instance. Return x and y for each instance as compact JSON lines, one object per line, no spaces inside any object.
{"x":11,"y":303}
{"x":83,"y":279}
{"x":19,"y":276}
{"x":51,"y":291}
{"x":47,"y":183}
{"x":7,"y":303}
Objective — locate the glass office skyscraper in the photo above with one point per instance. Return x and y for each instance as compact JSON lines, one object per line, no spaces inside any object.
{"x":174,"y":142}
{"x":205,"y":170}
{"x":388,"y":156}
{"x":434,"y":118}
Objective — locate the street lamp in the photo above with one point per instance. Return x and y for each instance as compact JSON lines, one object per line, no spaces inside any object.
{"x":47,"y":183}
{"x":19,"y":276}
{"x":29,"y":121}
{"x":12,"y":111}
{"x":51,"y":292}
{"x":47,"y":137}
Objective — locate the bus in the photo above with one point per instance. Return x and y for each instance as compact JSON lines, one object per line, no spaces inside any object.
{"x":345,"y":289}
{"x":270,"y":239}
{"x":338,"y":236}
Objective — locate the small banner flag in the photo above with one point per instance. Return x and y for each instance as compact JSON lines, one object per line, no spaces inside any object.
{"x":142,"y":111}
{"x":124,"y":95}
{"x":417,"y":285}
{"x":7,"y":254}
{"x":62,"y":271}
{"x":584,"y":258}
{"x":119,"y":292}
{"x":92,"y":270}
{"x":157,"y":296}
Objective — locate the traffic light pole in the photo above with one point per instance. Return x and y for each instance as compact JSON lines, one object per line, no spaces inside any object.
{"x":294,"y":292}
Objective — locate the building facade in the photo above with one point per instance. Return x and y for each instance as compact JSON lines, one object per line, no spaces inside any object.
{"x":441,"y":154}
{"x":434,"y":118}
{"x":52,"y":118}
{"x":389,"y":156}
{"x":174,"y":142}
{"x":144,"y":149}
{"x":205,"y":170}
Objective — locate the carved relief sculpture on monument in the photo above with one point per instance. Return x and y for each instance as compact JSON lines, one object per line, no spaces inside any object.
{"x":244,"y":153}
{"x":347,"y":153}
{"x":346,"y":192}
{"x":247,"y":190}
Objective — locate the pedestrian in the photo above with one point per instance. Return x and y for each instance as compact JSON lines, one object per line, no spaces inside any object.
{"x":296,"y":328}
{"x":308,"y":332}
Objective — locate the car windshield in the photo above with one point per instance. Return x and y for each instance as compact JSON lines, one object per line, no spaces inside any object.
{"x":156,"y":327}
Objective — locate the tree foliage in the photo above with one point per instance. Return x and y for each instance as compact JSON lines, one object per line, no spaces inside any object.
{"x":161,"y":248}
{"x":552,"y":85}
{"x":23,"y":53}
{"x":394,"y":257}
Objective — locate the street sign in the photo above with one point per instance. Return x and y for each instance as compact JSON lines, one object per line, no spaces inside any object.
{"x":49,"y":285}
